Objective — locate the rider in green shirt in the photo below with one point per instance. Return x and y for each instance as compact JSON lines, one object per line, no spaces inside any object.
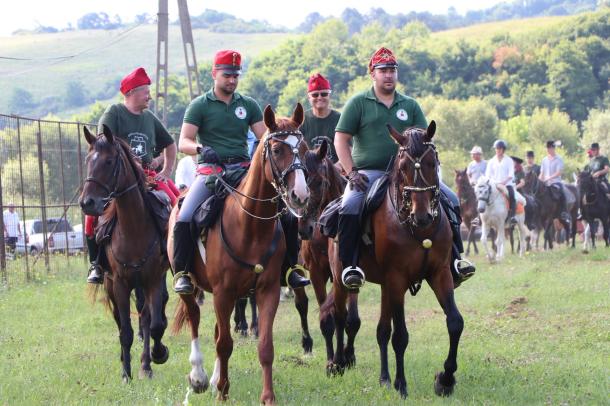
{"x":364,"y":123}
{"x":598,"y":166}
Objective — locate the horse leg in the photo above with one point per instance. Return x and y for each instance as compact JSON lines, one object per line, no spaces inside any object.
{"x":352,"y":326}
{"x":484,"y":241}
{"x":223,"y":305}
{"x":523,"y":232}
{"x":145,"y":317}
{"x":586,"y":236}
{"x":327,"y":322}
{"x":158,"y":324}
{"x":301,"y":303}
{"x":254,"y":321}
{"x":511,"y":234}
{"x":443,"y":289}
{"x":140,"y":299}
{"x":400,"y":337}
{"x":340,"y":297}
{"x":241,"y":325}
{"x":121,"y":294}
{"x":500,"y":241}
{"x":384,"y":331}
{"x":197,"y":378}
{"x":268,"y":300}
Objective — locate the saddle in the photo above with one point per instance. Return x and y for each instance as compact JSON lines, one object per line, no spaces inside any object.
{"x":520,"y":201}
{"x":556,"y":191}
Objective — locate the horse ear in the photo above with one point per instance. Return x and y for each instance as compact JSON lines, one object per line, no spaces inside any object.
{"x":298,"y":115}
{"x":457,"y":171}
{"x":395,"y":134}
{"x":269,"y":116}
{"x":108,"y":133}
{"x":88,"y":136}
{"x":431,"y":129}
{"x":322,"y":150}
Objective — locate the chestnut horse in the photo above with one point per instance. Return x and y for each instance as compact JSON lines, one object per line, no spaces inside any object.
{"x":134,"y":252}
{"x":468,"y":204}
{"x":412,"y":242}
{"x":245,"y":249}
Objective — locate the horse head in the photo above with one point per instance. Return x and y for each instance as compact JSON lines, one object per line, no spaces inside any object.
{"x":283,"y":151}
{"x":586,"y":186}
{"x":531,"y":185}
{"x":318,"y":171}
{"x":483,"y":191}
{"x":416,"y":174}
{"x":107,"y":178}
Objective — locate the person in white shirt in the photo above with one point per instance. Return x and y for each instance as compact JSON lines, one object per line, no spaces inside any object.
{"x":476,"y":168}
{"x":12,"y":228}
{"x":501,"y":169}
{"x":551,"y":169}
{"x":185,"y":172}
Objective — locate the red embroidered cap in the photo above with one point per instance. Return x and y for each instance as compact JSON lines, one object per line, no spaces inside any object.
{"x":382,"y":58}
{"x":318,"y":82}
{"x":228,"y":60}
{"x":135,"y":79}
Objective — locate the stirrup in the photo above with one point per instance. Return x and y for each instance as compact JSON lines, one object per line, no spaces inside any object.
{"x":296,"y":267}
{"x":464,"y":267}
{"x":98,"y":280}
{"x":347,"y":277}
{"x":186,"y":275}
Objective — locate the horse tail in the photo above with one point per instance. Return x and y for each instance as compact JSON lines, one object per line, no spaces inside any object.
{"x":92,"y":292}
{"x":181,"y":316}
{"x":328,"y":307}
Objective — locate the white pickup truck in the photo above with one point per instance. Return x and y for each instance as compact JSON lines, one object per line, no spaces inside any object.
{"x":57,"y":229}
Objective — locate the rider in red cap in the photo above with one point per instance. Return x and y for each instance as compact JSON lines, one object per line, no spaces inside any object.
{"x":365,"y":150}
{"x":142,"y":130}
{"x":321,"y":120}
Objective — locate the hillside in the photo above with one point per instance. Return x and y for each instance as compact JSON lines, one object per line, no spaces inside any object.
{"x":111,"y":56}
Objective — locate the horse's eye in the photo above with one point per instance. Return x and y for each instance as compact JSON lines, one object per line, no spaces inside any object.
{"x":108,"y":161}
{"x":276,"y":151}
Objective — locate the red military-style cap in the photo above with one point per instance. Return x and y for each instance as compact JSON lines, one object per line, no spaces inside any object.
{"x":135,"y":79}
{"x":318,"y":82}
{"x":382,"y":58}
{"x":228,"y":60}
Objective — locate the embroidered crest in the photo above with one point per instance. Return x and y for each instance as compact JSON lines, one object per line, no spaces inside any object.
{"x":240,"y":112}
{"x":402,"y":115}
{"x":137,"y":143}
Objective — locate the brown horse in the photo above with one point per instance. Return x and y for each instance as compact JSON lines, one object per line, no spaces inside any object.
{"x":325,"y":185}
{"x":468,"y":204}
{"x":412,"y":242}
{"x":115,"y":186}
{"x":245,"y":249}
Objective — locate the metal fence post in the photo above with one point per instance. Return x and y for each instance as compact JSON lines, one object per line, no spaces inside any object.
{"x":25,"y":242}
{"x":43,"y":200}
{"x":2,"y":244}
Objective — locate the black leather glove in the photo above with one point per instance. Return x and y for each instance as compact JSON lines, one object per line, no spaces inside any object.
{"x":358,"y":181}
{"x":208,"y":155}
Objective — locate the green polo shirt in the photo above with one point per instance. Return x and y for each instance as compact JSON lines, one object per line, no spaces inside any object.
{"x":315,"y":130}
{"x":143,"y":132}
{"x":597,"y":164}
{"x":365,"y":118}
{"x":224,"y":127}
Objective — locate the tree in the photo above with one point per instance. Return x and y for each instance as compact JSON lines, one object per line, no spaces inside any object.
{"x":553,"y":125}
{"x":21,"y":101}
{"x":311,"y":20}
{"x":98,"y":21}
{"x":597,"y":129}
{"x":353,"y":19}
{"x":75,"y":94}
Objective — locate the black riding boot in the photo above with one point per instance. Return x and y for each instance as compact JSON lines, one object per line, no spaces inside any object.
{"x":96,"y":274}
{"x":563,"y":207}
{"x":183,"y":253}
{"x":461,"y":269}
{"x":349,"y":241}
{"x":293,"y":274}
{"x":511,"y":205}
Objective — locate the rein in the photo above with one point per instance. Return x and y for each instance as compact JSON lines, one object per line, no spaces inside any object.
{"x":116,"y":171}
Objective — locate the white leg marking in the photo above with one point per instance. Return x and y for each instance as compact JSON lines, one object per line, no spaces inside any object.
{"x":215,"y":375}
{"x":197,"y":375}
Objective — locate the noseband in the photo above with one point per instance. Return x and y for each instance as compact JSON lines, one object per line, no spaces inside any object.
{"x":407,"y":203}
{"x":486,"y":200}
{"x":116,"y":171}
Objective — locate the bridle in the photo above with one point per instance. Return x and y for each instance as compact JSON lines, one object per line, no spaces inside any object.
{"x":486,"y":199}
{"x":113,"y":192}
{"x":407,"y":203}
{"x":313,"y":208}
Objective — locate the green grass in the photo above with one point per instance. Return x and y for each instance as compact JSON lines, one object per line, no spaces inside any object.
{"x":536,"y":332}
{"x":95,"y":69}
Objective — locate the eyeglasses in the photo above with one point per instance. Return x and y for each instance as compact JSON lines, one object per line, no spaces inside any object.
{"x":316,"y":95}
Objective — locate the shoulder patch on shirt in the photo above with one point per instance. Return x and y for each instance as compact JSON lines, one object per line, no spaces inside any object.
{"x":402,"y":114}
{"x":240,"y":112}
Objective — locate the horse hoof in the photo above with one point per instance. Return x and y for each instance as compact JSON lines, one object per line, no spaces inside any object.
{"x":585,"y":251}
{"x":333,"y":369}
{"x":254,"y":332}
{"x":198,"y":387}
{"x":145,"y":373}
{"x":401,"y":387}
{"x":160,"y":359}
{"x":441,"y":389}
{"x":385,"y":382}
{"x":307,"y":344}
{"x":126,"y":378}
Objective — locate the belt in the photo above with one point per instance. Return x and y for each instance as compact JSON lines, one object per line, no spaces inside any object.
{"x":233,"y":160}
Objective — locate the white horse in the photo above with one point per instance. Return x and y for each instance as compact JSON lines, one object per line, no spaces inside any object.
{"x":493,"y":208}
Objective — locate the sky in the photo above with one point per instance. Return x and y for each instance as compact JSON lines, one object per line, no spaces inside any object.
{"x":29,"y":14}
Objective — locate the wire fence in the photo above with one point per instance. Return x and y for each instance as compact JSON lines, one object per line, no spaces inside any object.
{"x":41,"y":173}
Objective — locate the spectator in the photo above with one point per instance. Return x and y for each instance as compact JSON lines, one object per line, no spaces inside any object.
{"x":12,"y":228}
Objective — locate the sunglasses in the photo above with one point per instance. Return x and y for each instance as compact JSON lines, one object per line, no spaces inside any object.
{"x":322,"y":94}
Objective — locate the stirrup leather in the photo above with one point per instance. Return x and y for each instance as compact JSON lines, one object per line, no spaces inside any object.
{"x":297,"y":267}
{"x":351,"y":269}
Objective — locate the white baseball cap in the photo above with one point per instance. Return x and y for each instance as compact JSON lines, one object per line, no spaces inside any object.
{"x":476,"y":150}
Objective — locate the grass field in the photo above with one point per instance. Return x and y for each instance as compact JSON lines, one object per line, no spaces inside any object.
{"x":536,"y":332}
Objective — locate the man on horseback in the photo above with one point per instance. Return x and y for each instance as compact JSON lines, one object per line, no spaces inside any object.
{"x":476,"y":167}
{"x":216,"y":128}
{"x":142,"y":130}
{"x":599,"y":166}
{"x":364,"y":122}
{"x":501,"y":169}
{"x":530,"y":165}
{"x":321,"y":120}
{"x":550,"y":173}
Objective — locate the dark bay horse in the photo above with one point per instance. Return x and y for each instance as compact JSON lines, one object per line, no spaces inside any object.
{"x":115,"y":186}
{"x":550,"y":208}
{"x":412,"y":242}
{"x":245,"y":250}
{"x":468,"y":204}
{"x":594,"y":205}
{"x":325,"y":185}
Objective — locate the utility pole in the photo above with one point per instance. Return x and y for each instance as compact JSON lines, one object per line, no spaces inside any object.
{"x":192,"y":73}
